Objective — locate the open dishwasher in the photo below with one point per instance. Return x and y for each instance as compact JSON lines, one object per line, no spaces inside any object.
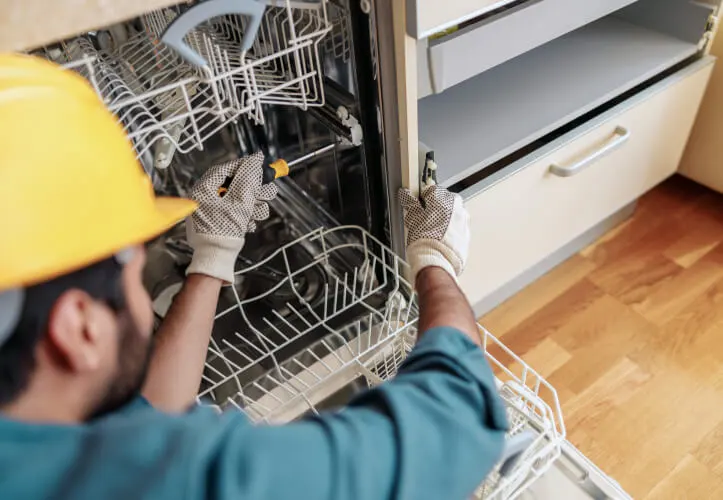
{"x":320,"y":307}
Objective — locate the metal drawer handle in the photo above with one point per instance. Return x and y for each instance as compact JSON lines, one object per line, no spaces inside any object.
{"x":620,"y":137}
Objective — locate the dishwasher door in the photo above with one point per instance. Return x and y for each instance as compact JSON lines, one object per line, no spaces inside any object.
{"x":574,"y":477}
{"x":289,"y":349}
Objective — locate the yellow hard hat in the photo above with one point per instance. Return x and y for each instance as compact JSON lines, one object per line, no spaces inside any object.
{"x":71,"y":189}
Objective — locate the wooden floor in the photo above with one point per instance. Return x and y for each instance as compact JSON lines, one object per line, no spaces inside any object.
{"x":630,"y":332}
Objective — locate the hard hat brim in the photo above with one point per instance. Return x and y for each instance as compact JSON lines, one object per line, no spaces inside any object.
{"x":169,"y":211}
{"x":80,"y":197}
{"x":166,"y":214}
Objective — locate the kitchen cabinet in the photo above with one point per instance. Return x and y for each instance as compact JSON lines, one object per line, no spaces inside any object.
{"x":486,"y":116}
{"x":28,"y":24}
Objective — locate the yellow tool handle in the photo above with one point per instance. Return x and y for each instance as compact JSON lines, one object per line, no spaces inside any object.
{"x":275,"y":170}
{"x":269,"y":173}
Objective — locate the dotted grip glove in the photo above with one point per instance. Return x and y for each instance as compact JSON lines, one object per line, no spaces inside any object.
{"x":438,"y":230}
{"x":217,"y":229}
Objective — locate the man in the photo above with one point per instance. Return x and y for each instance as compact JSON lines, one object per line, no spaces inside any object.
{"x":89,"y":411}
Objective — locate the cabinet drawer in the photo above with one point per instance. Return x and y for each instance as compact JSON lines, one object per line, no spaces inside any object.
{"x":486,"y":118}
{"x":451,"y":59}
{"x":426,"y":17}
{"x":584,"y":178}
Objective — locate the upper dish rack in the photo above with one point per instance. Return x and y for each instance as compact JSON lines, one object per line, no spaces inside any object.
{"x":175,"y":77}
{"x":355,"y":331}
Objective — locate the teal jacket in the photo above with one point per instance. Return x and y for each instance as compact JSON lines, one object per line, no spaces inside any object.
{"x":435,"y":432}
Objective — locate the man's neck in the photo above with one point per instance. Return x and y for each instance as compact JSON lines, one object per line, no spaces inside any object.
{"x":51,"y":405}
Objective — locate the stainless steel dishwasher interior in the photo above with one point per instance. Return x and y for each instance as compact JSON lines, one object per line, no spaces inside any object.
{"x":308,"y":199}
{"x":321,"y":192}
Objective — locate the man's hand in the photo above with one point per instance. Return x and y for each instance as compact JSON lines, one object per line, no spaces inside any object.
{"x":217,"y":230}
{"x":437,"y":230}
{"x":437,"y":245}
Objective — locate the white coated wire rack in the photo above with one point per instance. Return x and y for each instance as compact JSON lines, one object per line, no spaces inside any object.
{"x":359,"y":326}
{"x":338,"y":43}
{"x":166,"y":104}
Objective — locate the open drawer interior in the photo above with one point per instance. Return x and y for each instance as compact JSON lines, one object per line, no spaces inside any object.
{"x":486,"y":118}
{"x":473,"y":47}
{"x":497,"y":36}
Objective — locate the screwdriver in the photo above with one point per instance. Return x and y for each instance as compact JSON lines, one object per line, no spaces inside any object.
{"x":277,"y":169}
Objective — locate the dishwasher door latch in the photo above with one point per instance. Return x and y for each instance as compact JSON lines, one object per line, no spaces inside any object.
{"x":429,"y":171}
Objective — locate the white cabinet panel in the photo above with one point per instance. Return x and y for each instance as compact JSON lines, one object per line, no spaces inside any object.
{"x":703,"y":161}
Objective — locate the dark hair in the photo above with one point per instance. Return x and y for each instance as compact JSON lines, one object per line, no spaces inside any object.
{"x":101,"y":281}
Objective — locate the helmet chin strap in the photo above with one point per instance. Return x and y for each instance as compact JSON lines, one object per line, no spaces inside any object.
{"x":124,"y":256}
{"x":11,"y":300}
{"x":11,"y":305}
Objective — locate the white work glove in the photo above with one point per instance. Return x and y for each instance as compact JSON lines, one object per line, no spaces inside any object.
{"x":216,"y":230}
{"x":437,"y":230}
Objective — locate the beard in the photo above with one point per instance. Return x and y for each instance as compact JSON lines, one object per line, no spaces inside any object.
{"x":134,"y":356}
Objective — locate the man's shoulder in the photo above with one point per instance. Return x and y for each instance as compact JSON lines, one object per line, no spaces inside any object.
{"x":138,"y":450}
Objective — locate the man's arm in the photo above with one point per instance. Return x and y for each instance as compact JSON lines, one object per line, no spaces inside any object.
{"x":175,"y":371}
{"x":442,"y":303}
{"x":434,"y":431}
{"x":217,"y":232}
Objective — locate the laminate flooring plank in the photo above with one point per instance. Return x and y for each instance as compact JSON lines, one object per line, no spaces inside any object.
{"x":630,"y":333}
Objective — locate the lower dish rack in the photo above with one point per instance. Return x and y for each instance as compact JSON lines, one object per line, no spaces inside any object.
{"x":292,"y":351}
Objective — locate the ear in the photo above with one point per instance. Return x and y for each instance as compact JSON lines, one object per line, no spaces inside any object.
{"x":75,"y":331}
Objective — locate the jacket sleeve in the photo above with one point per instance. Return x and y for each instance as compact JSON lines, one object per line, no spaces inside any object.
{"x":435,"y":431}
